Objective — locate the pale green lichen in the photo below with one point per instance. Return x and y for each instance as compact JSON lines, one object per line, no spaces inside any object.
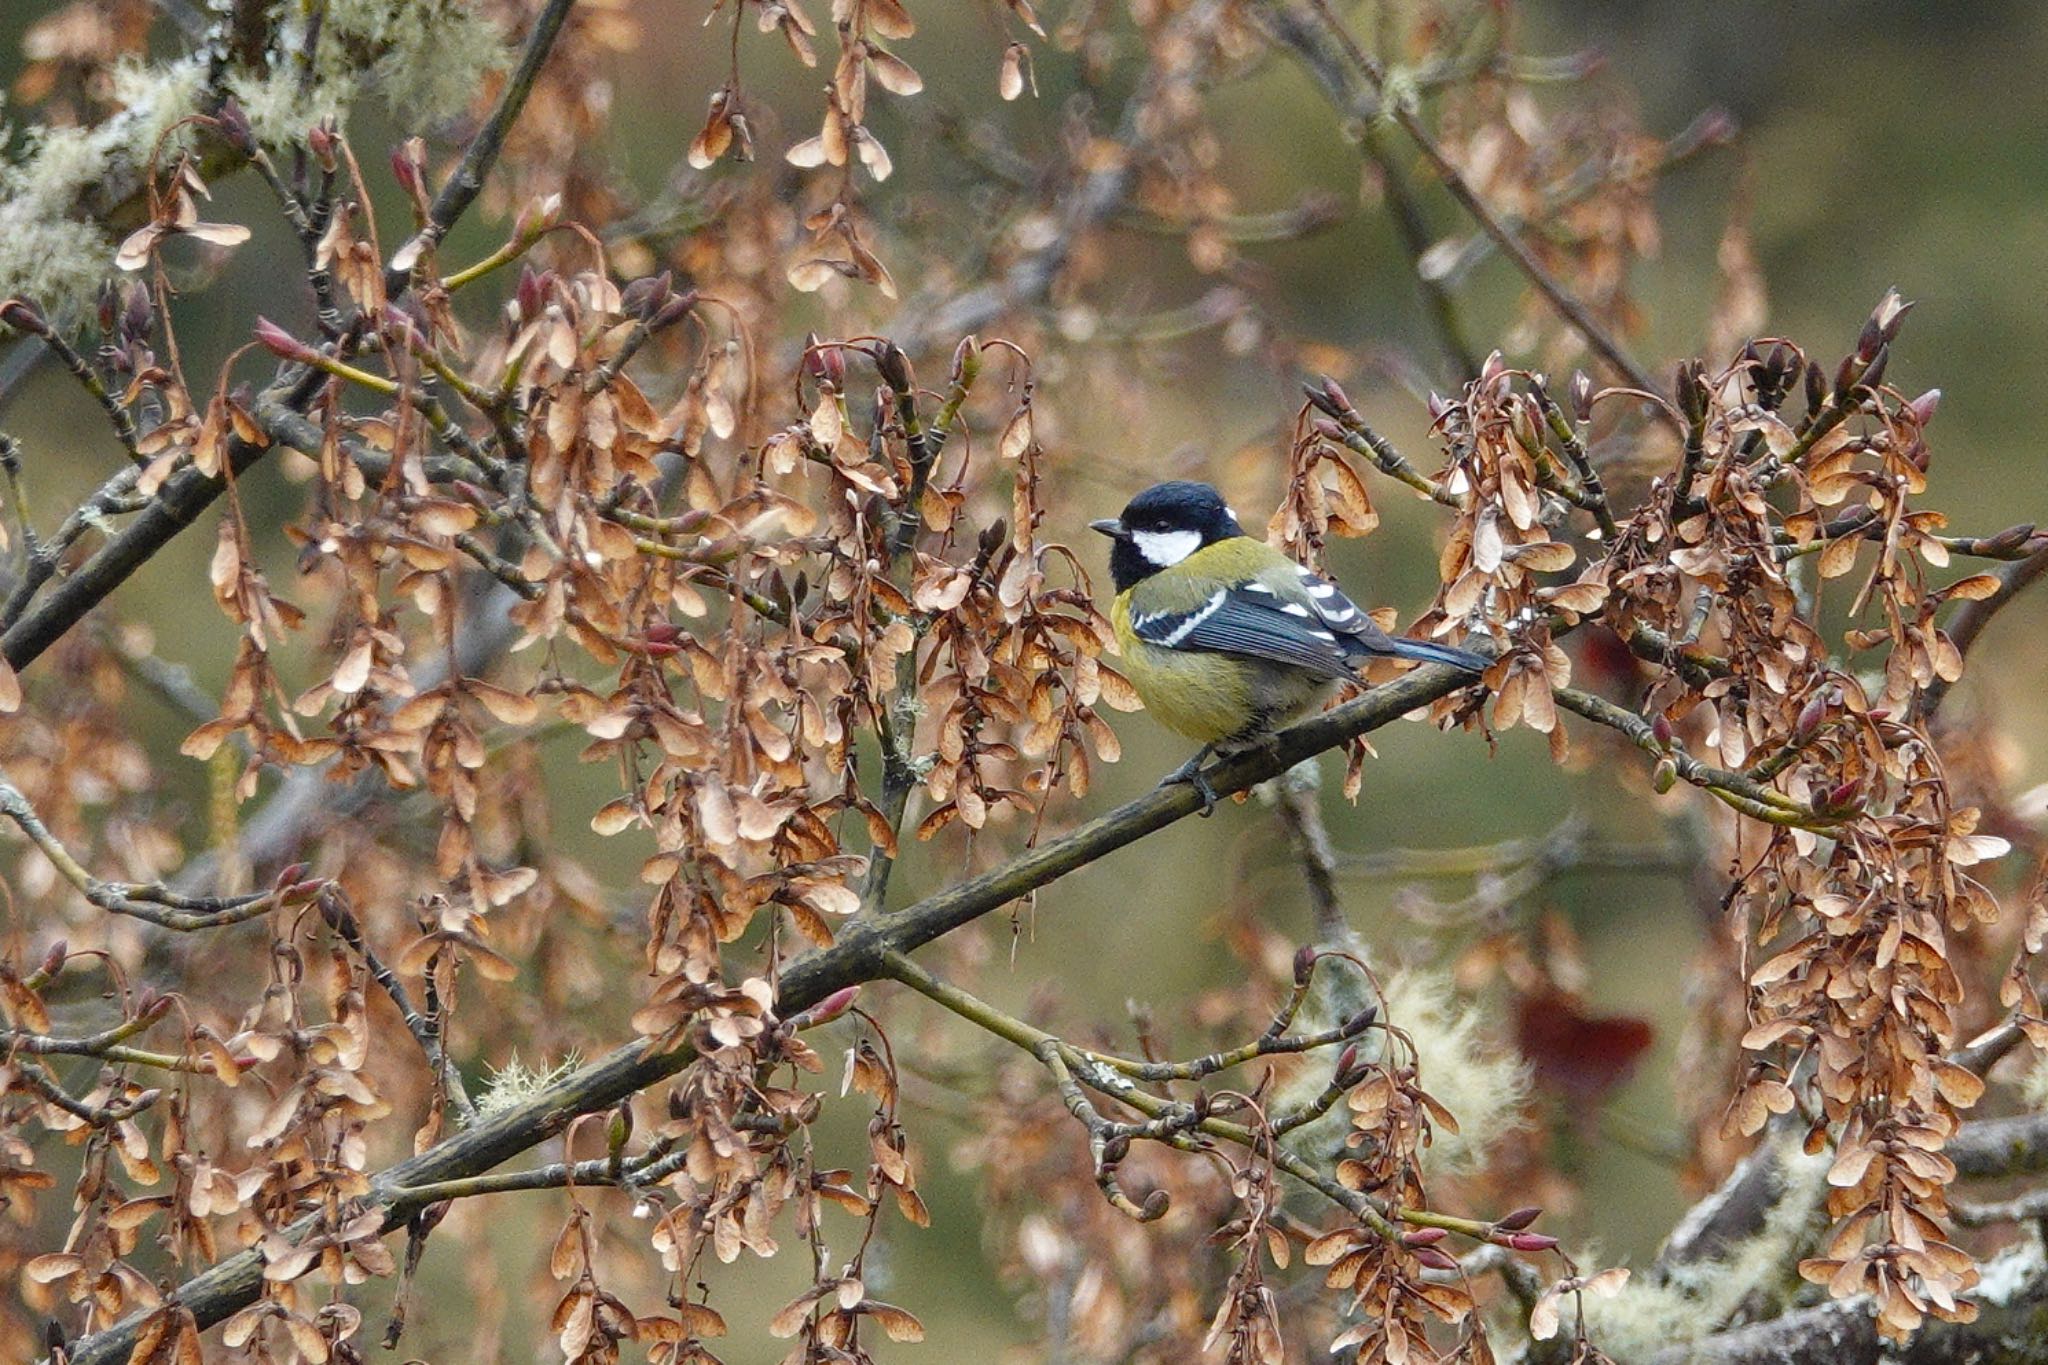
{"x":1650,"y":1314}
{"x":50,"y":251}
{"x":1484,"y":1085}
{"x":514,"y":1083}
{"x":2034,"y":1084}
{"x":423,"y":59}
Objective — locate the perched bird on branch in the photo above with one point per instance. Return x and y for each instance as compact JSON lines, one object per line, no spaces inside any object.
{"x":1224,"y":637}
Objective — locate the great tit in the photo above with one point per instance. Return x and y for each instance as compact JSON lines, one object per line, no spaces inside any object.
{"x":1224,"y":637}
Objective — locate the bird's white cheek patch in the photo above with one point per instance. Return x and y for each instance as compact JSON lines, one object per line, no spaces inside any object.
{"x":1166,"y":548}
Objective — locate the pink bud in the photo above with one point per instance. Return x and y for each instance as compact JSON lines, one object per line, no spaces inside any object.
{"x":1435,"y":1260}
{"x":279,"y":342}
{"x":828,"y":1009}
{"x":1529,"y":1241}
{"x":531,"y":293}
{"x":323,"y":140}
{"x":1424,"y":1237}
{"x":405,"y":171}
{"x":1519,"y":1219}
{"x":966,"y":360}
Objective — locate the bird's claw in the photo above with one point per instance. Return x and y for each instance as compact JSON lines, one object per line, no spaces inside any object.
{"x":1190,"y":773}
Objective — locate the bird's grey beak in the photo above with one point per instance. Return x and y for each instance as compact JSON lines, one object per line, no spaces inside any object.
{"x":1109,"y":526}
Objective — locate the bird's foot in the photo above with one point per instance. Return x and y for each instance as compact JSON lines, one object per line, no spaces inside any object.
{"x":1190,"y":773}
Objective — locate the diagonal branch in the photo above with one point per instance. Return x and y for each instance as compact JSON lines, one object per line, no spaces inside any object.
{"x":860,"y":955}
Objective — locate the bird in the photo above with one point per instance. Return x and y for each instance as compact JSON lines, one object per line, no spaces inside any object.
{"x":1225,"y":638}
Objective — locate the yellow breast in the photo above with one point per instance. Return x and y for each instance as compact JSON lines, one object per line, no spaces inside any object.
{"x":1203,"y":696}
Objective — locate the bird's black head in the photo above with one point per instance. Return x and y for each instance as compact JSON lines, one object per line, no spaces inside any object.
{"x":1164,"y":525}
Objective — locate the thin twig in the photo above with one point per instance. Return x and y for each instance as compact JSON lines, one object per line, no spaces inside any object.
{"x":340,"y":917}
{"x":467,"y":181}
{"x":1385,"y":105}
{"x":154,"y":902}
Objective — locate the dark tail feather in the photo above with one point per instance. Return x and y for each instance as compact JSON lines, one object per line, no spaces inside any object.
{"x":1430,"y":652}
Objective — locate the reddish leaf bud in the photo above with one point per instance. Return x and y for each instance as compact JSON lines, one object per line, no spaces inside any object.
{"x":1923,"y":408}
{"x":1116,"y":1149}
{"x":324,"y":142}
{"x":20,"y":313}
{"x":234,"y":126}
{"x":1327,"y":429}
{"x":1436,"y":1260}
{"x":1519,"y":1219}
{"x":155,"y":1006}
{"x":966,"y":361}
{"x":54,"y":957}
{"x":1582,"y":396}
{"x":286,"y":876}
{"x":894,"y":367}
{"x":674,"y":311}
{"x":643,"y":296}
{"x":1304,"y":963}
{"x":1361,"y":1021}
{"x":1319,"y":400}
{"x":1423,"y":1237}
{"x":281,"y":343}
{"x":1890,"y":315}
{"x":1340,"y":400}
{"x":530,"y":296}
{"x":1155,"y":1206}
{"x":137,"y":314}
{"x":1347,"y":1059}
{"x":1529,"y":1241}
{"x":828,"y":1009}
{"x":1660,"y":730}
{"x":1816,"y":387}
{"x":405,"y":170}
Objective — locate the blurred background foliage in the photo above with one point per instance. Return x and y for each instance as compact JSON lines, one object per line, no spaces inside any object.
{"x":1880,"y":144}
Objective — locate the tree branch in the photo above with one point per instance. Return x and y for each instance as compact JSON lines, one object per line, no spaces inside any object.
{"x":467,"y":181}
{"x":860,"y":955}
{"x":1969,"y":623}
{"x":1845,"y":1330}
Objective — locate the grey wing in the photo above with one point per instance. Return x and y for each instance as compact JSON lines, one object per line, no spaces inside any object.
{"x":1358,"y":636}
{"x":1254,"y":623}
